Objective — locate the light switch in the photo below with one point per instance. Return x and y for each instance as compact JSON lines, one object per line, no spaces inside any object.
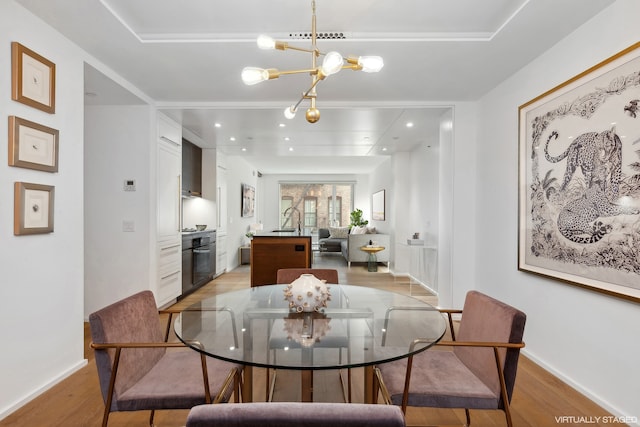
{"x":128,"y":226}
{"x":129,"y":185}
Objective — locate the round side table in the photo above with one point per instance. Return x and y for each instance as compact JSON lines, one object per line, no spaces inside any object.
{"x":372,"y":263}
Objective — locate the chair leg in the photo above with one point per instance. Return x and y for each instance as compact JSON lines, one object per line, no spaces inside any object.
{"x":153,"y":413}
{"x":468,"y":415}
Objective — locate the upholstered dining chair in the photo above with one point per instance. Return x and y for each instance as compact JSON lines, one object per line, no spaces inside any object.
{"x":138,"y":370}
{"x":293,"y":414}
{"x":479,"y":370}
{"x":288,"y":275}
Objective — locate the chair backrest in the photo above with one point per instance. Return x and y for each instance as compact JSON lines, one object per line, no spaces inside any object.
{"x":133,"y":319}
{"x":290,"y":414}
{"x":489,"y":320}
{"x":288,"y":275}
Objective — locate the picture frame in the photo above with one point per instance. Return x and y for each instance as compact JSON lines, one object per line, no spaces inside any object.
{"x":248,"y":197}
{"x":33,"y":79}
{"x":377,"y":205}
{"x":33,"y":208}
{"x":579,"y":179}
{"x":32,"y":145}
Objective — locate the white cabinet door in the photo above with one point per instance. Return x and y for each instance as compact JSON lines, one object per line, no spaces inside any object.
{"x":169,"y":238}
{"x":221,"y":199}
{"x":169,"y":173}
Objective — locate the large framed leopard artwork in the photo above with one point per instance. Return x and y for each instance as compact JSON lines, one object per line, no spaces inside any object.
{"x":579,"y":179}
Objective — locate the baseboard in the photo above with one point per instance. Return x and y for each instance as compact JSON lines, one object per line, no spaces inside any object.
{"x":5,"y":412}
{"x":414,"y":280}
{"x":593,"y":397}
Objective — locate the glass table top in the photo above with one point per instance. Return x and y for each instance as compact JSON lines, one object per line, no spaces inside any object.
{"x":360,"y":326}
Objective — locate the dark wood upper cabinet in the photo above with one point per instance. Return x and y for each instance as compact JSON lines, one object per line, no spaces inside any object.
{"x":191,"y":169}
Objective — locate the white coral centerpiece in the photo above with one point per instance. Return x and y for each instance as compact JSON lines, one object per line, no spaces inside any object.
{"x":307,"y":293}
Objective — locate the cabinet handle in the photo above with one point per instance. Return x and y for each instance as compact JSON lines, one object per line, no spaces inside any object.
{"x":218,"y":206}
{"x":170,"y":247}
{"x":169,"y":140}
{"x":179,"y":204}
{"x":169,"y":275}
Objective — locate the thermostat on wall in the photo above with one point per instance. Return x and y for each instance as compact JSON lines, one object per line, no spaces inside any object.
{"x":129,"y":185}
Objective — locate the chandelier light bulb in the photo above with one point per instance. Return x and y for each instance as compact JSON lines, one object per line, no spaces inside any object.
{"x":254,"y":75}
{"x":371,"y":64}
{"x":266,"y":42}
{"x":332,"y":63}
{"x":290,"y":112}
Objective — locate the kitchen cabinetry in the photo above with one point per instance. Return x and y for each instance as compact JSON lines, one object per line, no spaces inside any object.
{"x":169,"y":242}
{"x":269,"y":253}
{"x":191,"y":169}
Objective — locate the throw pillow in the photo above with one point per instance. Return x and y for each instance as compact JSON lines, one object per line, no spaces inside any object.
{"x":338,"y":232}
{"x":359,"y":230}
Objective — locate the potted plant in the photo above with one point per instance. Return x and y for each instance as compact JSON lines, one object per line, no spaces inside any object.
{"x":356,"y":219}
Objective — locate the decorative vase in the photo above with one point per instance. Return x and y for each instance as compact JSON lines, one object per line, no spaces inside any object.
{"x":307,"y":293}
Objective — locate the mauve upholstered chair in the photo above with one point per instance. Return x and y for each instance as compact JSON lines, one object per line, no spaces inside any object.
{"x":290,"y":414}
{"x":138,"y":371}
{"x":478,"y":373}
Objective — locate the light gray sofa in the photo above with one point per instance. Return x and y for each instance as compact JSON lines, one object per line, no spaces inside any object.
{"x":350,"y":246}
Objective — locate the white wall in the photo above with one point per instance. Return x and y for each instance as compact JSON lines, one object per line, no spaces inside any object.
{"x":239,"y":172}
{"x":42,"y":275}
{"x":117,"y":147}
{"x":588,"y":339}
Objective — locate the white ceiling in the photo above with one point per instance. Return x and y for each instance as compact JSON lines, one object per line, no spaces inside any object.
{"x":187,"y":55}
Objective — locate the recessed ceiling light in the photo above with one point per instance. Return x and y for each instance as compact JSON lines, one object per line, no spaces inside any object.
{"x":282,"y":125}
{"x":290,"y":148}
{"x":218,"y":125}
{"x":409,"y":124}
{"x":286,"y":138}
{"x":384,"y":148}
{"x":244,"y":149}
{"x":233,"y":138}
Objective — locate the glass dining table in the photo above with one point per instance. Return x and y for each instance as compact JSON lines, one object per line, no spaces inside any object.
{"x":360,"y":327}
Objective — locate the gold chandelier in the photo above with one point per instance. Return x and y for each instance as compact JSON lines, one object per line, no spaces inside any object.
{"x":331,"y":64}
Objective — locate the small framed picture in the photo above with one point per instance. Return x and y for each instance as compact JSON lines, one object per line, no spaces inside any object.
{"x":33,"y":79}
{"x":32,"y":145}
{"x":32,"y":208}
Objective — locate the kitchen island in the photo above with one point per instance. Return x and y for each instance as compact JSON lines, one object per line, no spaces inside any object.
{"x":273,"y":251}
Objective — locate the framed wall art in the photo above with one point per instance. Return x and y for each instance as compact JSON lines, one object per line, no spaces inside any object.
{"x":32,"y":208}
{"x":32,"y":145}
{"x":579,"y":179}
{"x":33,"y":79}
{"x":248,"y":200}
{"x":377,"y":206}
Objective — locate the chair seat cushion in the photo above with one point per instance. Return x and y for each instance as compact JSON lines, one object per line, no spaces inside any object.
{"x":290,"y":414}
{"x":175,"y":382}
{"x":438,"y":379}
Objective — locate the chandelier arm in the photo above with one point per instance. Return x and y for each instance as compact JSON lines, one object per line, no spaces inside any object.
{"x":306,"y":94}
{"x":312,"y":71}
{"x":354,"y":67}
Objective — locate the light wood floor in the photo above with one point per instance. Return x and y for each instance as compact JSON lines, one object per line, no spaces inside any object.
{"x":538,"y":397}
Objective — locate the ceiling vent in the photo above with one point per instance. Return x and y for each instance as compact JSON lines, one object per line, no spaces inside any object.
{"x":303,"y":36}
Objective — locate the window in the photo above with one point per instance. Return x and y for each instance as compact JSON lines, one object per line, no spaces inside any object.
{"x":310,"y":212}
{"x":335,"y":209}
{"x":315,"y":205}
{"x":285,"y":203}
